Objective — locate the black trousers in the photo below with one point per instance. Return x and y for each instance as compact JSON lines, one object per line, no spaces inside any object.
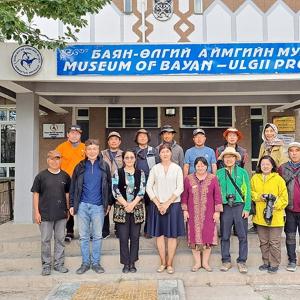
{"x":233,"y":216}
{"x":70,"y":225}
{"x":147,"y":203}
{"x":292,"y":223}
{"x":129,"y":236}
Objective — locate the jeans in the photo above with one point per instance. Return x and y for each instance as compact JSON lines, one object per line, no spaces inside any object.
{"x":47,"y":228}
{"x":233,"y":216}
{"x":292,"y":223}
{"x":90,"y":214}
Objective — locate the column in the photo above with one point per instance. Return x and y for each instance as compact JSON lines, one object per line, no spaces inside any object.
{"x":27,"y":154}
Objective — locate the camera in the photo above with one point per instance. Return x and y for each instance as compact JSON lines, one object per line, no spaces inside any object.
{"x":268,"y":211}
{"x":230,"y":199}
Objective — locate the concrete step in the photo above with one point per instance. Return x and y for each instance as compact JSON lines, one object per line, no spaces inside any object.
{"x":33,"y":279}
{"x":111,"y":260}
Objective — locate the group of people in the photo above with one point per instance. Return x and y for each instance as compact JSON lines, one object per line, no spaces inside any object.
{"x":173,"y":193}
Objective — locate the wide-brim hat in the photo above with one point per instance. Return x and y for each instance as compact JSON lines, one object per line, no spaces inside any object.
{"x":142,"y":131}
{"x":167,"y":128}
{"x":230,"y":151}
{"x":233,"y":130}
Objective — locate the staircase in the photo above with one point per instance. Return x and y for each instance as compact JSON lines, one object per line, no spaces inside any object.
{"x":20,"y":265}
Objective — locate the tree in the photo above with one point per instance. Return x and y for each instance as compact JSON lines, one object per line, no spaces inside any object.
{"x":16,"y":20}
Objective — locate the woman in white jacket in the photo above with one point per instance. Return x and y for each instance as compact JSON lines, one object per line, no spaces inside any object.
{"x":165,"y":218}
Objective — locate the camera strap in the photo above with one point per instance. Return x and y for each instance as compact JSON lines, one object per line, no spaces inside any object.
{"x":235,"y":185}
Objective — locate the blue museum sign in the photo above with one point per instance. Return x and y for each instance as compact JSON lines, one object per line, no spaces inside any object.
{"x":179,"y":59}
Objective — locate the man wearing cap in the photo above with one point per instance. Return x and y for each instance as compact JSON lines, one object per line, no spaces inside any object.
{"x":72,"y":152}
{"x":113,"y":156}
{"x":232,"y":137}
{"x":90,"y":199}
{"x":236,"y":196}
{"x":199,"y":149}
{"x":146,"y":158}
{"x":51,"y":203}
{"x":290,"y":171}
{"x":167,"y":134}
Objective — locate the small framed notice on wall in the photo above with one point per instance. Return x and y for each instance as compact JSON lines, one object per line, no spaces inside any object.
{"x":53,"y":131}
{"x":285,"y":124}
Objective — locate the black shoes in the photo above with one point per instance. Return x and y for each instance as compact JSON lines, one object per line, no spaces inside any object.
{"x":83,"y":268}
{"x":129,"y":268}
{"x":61,"y":269}
{"x":126,"y":269}
{"x":264,"y":267}
{"x":132,"y":268}
{"x":272,"y":270}
{"x":98,"y":269}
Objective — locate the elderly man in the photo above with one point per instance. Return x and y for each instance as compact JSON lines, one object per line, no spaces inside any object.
{"x":72,"y":152}
{"x":51,"y":203}
{"x":113,"y":156}
{"x":90,"y":199}
{"x":167,"y":134}
{"x":236,"y":196}
{"x":199,"y":149}
{"x":290,"y":171}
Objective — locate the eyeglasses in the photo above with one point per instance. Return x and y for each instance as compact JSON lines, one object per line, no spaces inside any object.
{"x":55,"y":158}
{"x":129,"y":157}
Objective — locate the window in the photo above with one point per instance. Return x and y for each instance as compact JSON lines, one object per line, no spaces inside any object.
{"x":7,"y":141}
{"x":82,"y":119}
{"x":207,"y":116}
{"x":132,"y":117}
{"x":189,"y":116}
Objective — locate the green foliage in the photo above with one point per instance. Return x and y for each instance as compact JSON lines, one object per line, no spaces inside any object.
{"x":17,"y":16}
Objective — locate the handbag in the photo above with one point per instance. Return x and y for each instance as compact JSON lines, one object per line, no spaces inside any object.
{"x":119,"y":215}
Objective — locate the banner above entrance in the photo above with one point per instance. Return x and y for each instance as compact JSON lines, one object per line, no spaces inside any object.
{"x":176,"y":59}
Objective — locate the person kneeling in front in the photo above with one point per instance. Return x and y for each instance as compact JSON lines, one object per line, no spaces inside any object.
{"x":89,"y":196}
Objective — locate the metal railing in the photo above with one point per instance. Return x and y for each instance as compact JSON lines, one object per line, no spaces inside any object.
{"x":7,"y":189}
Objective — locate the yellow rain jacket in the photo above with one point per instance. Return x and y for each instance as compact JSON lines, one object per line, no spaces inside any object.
{"x":270,"y":184}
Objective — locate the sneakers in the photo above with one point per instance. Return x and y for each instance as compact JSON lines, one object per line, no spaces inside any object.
{"x":263,"y":267}
{"x":242,"y":268}
{"x":252,"y":230}
{"x":46,"y":271}
{"x":272,"y":270}
{"x":226,"y":266}
{"x":83,"y":268}
{"x":291,"y":267}
{"x":61,"y":269}
{"x":98,"y":269}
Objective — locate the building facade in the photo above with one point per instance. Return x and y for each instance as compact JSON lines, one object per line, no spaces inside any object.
{"x":104,"y":102}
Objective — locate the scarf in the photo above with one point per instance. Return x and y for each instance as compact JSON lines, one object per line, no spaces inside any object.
{"x":275,"y":142}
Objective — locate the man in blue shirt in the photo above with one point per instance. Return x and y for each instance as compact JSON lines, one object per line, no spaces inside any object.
{"x":90,"y":199}
{"x":199,"y":149}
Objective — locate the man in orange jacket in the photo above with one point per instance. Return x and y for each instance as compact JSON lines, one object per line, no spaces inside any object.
{"x":72,"y":152}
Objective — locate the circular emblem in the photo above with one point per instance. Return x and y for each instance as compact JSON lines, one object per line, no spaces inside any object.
{"x":26,"y":60}
{"x":163,"y":9}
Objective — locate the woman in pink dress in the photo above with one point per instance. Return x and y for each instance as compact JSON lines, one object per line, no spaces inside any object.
{"x":201,"y":203}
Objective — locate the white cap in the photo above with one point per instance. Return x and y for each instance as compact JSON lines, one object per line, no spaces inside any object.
{"x":294,"y":144}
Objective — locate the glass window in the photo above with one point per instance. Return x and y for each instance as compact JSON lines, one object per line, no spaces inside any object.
{"x":115,"y":117}
{"x":224,"y":116}
{"x":3,"y":172}
{"x":84,"y":124}
{"x":207,"y":116}
{"x":3,"y":115}
{"x":82,"y":112}
{"x":189,"y":116}
{"x":11,"y":171}
{"x":256,"y":111}
{"x":133,"y":117}
{"x":150,"y":117}
{"x":12,"y":115}
{"x":8,"y":142}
